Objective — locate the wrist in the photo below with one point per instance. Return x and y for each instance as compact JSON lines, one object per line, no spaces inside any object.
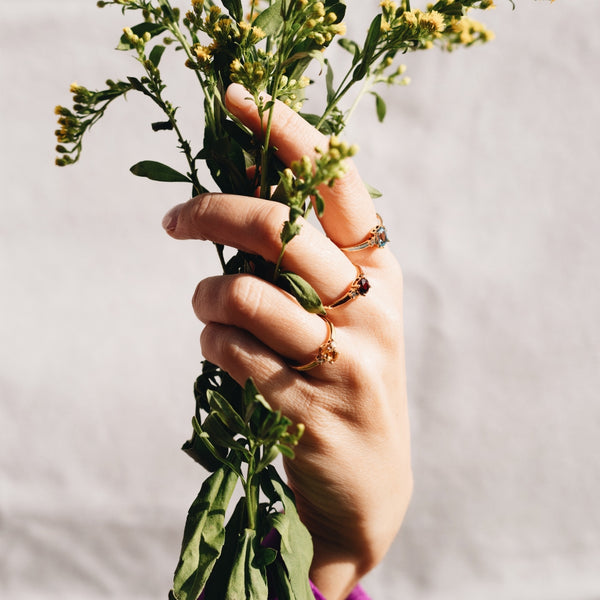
{"x":333,"y":572}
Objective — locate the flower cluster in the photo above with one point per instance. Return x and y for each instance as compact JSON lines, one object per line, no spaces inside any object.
{"x":319,"y":25}
{"x":445,"y":23}
{"x":302,"y":180}
{"x":88,"y":107}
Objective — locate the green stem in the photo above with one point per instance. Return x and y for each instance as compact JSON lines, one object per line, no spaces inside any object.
{"x":251,"y":491}
{"x":282,"y":56}
{"x":174,"y":29}
{"x":367,"y":85}
{"x":265,"y":191}
{"x":184,"y":144}
{"x":220,"y":251}
{"x":279,"y":259}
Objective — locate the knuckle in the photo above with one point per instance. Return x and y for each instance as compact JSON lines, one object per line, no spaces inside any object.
{"x":220,"y":344}
{"x":244,"y":297}
{"x":267,"y":223}
{"x":197,"y":301}
{"x":209,"y":340}
{"x":213,"y":343}
{"x":197,"y":208}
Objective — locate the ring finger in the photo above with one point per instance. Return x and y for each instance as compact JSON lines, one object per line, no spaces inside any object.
{"x":263,"y":310}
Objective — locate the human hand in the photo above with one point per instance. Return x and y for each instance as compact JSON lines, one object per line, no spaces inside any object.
{"x":351,"y":475}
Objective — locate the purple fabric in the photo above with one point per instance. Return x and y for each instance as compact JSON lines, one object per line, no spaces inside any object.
{"x":271,"y":540}
{"x":356,"y":594}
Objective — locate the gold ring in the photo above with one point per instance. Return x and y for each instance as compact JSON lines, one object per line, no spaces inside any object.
{"x":359,"y":287}
{"x":377,"y":237}
{"x":327,"y":351}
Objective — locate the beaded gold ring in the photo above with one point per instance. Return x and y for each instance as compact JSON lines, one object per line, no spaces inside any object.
{"x":327,"y":351}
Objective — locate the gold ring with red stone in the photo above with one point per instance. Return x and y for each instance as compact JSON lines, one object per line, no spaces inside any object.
{"x":359,"y":287}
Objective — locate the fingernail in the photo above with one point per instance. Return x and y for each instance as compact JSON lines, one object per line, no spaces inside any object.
{"x":237,"y":95}
{"x":169,"y":221}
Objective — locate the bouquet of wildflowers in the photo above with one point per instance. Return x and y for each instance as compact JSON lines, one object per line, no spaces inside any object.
{"x":267,"y":46}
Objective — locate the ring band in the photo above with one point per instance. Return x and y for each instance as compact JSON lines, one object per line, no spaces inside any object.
{"x":327,"y":351}
{"x":377,"y":237}
{"x":359,"y":287}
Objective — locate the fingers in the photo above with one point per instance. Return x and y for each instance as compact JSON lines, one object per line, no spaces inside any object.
{"x":242,"y":356}
{"x":254,"y":225}
{"x":267,"y":313}
{"x":349,"y":211}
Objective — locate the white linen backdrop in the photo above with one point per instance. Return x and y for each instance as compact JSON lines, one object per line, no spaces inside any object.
{"x":488,"y":163}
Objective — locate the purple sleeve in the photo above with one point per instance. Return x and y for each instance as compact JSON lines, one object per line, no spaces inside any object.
{"x":356,"y":594}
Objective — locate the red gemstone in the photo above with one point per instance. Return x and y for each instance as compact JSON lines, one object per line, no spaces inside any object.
{"x":363,"y":286}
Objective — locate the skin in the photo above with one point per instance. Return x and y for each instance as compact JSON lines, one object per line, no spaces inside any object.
{"x":352,"y":475}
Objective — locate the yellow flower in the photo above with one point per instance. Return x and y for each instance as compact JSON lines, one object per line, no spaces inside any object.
{"x":432,"y":21}
{"x":409,"y":18}
{"x":202,"y":53}
{"x":338,"y":29}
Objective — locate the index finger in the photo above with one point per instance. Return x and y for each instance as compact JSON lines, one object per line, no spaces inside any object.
{"x":349,"y":211}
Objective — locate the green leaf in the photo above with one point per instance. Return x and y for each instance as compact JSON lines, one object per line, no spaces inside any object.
{"x":247,"y":580}
{"x":286,"y":451}
{"x":253,"y":398}
{"x":219,"y":453}
{"x":380,"y":107}
{"x":225,"y":411}
{"x":352,"y":47}
{"x":320,"y":202}
{"x":305,"y":57}
{"x":218,"y":434}
{"x":270,"y":20}
{"x":314,"y":121}
{"x":136,"y":84}
{"x":152,"y":28}
{"x":369,"y":49}
{"x":235,"y":9}
{"x":226,"y":162}
{"x":373,"y":192}
{"x":196,"y":449}
{"x":158,"y":172}
{"x":267,"y":459}
{"x":336,"y":7}
{"x":167,"y":11}
{"x":329,"y":82}
{"x":283,"y":586}
{"x":296,"y":547}
{"x":204,"y":535}
{"x":222,"y":568}
{"x":289,"y":231}
{"x":156,"y":54}
{"x":280,"y":195}
{"x":302,"y":291}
